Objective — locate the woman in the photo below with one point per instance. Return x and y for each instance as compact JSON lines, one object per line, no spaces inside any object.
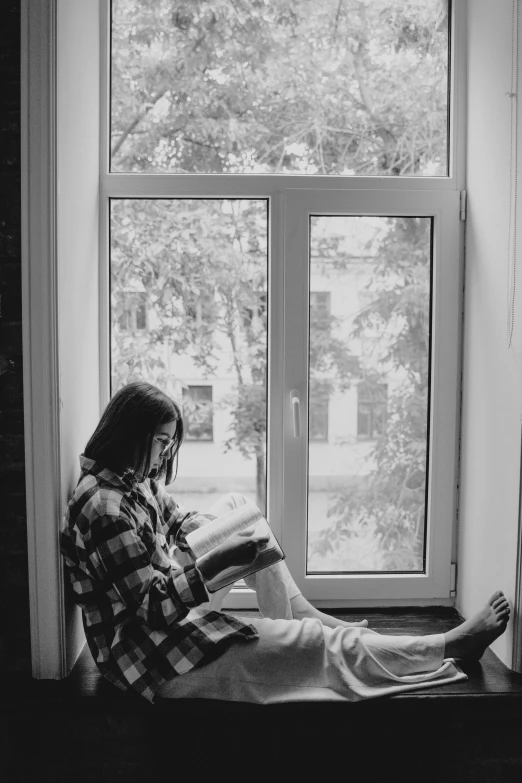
{"x":148,"y":617}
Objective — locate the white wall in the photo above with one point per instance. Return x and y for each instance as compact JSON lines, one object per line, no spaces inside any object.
{"x":492,"y":396}
{"x":78,"y":250}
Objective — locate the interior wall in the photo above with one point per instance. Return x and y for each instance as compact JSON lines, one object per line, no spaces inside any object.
{"x":78,"y":251}
{"x":492,"y":393}
{"x":15,"y":643}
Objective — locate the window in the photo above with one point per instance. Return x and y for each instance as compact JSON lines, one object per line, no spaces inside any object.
{"x":320,"y":307}
{"x":371,"y":410}
{"x":318,"y":412}
{"x":256,"y":312}
{"x":239,"y":145}
{"x":282,"y":213}
{"x":133,"y":312}
{"x":197,"y":413}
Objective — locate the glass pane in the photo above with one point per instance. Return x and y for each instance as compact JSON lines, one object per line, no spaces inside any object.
{"x":280,"y":86}
{"x":369,"y":368}
{"x":189,"y":314}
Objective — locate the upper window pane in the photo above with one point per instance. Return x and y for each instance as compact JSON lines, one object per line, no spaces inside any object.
{"x":280,"y":86}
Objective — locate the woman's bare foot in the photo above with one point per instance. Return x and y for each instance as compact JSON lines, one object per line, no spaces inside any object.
{"x":301,"y":608}
{"x":471,"y":639}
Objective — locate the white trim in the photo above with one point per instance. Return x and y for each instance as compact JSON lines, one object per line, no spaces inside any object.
{"x":253,"y":186}
{"x":40,"y":335}
{"x":517,"y":608}
{"x":275,"y":380}
{"x":104,"y":216}
{"x":458,"y":94}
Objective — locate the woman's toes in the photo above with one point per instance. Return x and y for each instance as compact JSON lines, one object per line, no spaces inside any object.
{"x":497,"y":595}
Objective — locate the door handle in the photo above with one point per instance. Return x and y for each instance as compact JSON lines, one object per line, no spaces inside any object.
{"x":295,"y":402}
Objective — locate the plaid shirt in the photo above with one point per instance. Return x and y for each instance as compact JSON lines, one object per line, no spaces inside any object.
{"x":143,"y":613}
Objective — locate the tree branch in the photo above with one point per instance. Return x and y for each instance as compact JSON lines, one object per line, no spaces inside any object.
{"x":142,"y":113}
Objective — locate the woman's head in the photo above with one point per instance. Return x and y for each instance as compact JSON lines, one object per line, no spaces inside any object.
{"x":141,"y":430}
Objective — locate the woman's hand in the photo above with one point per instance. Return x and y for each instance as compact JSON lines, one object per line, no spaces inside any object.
{"x":243,"y":548}
{"x":240,"y":549}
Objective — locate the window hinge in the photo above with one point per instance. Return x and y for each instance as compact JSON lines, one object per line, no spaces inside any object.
{"x":453,"y":580}
{"x":463,"y":204}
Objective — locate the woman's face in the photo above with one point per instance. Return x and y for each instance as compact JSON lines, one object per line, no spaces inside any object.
{"x":162,"y":444}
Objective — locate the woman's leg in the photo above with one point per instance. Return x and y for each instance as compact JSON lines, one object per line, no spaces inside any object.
{"x":302,"y":661}
{"x":301,"y":608}
{"x":277,"y":594}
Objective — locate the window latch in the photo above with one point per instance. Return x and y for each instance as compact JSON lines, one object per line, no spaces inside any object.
{"x":295,"y":401}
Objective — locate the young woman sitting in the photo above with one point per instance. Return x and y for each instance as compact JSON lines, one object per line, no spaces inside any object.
{"x":152,"y":627}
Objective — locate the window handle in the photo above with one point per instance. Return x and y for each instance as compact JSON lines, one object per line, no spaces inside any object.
{"x":295,"y":401}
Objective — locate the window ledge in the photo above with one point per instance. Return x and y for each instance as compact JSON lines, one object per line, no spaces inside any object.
{"x":489,"y":680}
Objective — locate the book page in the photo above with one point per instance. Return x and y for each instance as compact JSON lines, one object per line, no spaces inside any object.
{"x":214,"y":533}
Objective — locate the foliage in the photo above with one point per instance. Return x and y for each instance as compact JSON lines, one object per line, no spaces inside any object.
{"x":326,"y":87}
{"x":391,"y":498}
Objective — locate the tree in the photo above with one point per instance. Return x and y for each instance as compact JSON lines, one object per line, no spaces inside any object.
{"x":340,"y":86}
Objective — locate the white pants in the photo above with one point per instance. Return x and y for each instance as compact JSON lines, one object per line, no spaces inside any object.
{"x":303,"y":660}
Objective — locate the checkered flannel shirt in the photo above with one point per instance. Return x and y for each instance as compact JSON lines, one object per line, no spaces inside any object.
{"x":145,"y":617}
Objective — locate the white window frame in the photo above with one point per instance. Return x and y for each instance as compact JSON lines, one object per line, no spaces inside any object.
{"x":289,"y":503}
{"x":63,"y":398}
{"x":444,"y":208}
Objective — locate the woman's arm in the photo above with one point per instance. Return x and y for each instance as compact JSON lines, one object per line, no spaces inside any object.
{"x":177,"y":522}
{"x":122,"y":561}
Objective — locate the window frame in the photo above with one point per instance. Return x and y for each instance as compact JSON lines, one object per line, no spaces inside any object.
{"x":51,"y":436}
{"x":275,"y":188}
{"x":446,"y":298}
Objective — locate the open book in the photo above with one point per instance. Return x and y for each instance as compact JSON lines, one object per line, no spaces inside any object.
{"x":214,"y":533}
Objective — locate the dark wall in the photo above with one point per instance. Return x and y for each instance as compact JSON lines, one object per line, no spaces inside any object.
{"x":14,"y":595}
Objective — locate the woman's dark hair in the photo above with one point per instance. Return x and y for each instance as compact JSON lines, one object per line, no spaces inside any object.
{"x":122,"y":441}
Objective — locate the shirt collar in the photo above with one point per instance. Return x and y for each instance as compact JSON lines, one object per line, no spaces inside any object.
{"x":126,"y":482}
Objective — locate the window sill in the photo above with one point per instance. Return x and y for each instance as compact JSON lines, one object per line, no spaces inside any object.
{"x":489,"y":678}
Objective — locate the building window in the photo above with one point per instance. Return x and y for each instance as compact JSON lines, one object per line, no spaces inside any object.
{"x":320,"y":323}
{"x":133,"y":312}
{"x":371,"y":410}
{"x":254,"y":313}
{"x":320,"y":308}
{"x":197,"y":413}
{"x":318,"y":412}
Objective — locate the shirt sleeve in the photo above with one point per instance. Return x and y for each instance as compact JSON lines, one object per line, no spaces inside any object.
{"x":177,"y":522}
{"x":123,"y":562}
